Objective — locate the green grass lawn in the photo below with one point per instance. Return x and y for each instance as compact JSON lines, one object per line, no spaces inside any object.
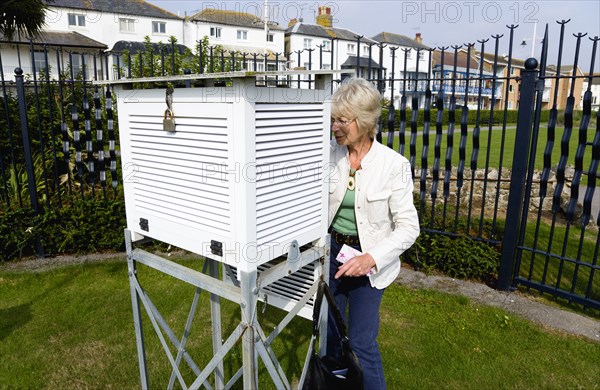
{"x":72,"y":327}
{"x":495,"y":151}
{"x":541,"y":268}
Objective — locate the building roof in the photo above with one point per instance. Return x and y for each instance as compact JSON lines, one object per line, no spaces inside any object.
{"x":71,"y":39}
{"x":231,"y":18}
{"x":595,"y":78}
{"x":138,"y":47}
{"x":325,"y":32}
{"x":397,"y":39}
{"x":128,"y":7}
{"x":565,"y":69}
{"x":364,"y":62}
{"x":489,"y":57}
{"x":461,"y":60}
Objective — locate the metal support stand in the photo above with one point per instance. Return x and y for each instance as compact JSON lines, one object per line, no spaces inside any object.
{"x":255,"y":343}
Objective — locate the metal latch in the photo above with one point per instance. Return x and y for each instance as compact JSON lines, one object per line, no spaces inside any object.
{"x":216,"y":248}
{"x":144,"y":224}
{"x":169,"y":117}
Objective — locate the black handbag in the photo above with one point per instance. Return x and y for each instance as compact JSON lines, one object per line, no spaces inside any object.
{"x":327,"y":372}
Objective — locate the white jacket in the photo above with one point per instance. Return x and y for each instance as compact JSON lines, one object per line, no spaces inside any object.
{"x":386,"y":218}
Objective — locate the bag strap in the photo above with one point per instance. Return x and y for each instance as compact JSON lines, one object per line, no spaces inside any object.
{"x":324,"y":290}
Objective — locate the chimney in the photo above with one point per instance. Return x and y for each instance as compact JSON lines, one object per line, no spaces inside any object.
{"x":418,"y":38}
{"x":324,"y":18}
{"x":292,"y":22}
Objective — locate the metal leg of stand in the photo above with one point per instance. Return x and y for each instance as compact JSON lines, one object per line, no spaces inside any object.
{"x":325,"y":309}
{"x":137,"y":313}
{"x":215,"y":310}
{"x":248,"y":306}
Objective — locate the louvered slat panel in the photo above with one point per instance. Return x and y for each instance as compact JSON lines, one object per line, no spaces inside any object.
{"x":177,"y":174}
{"x":175,"y":213}
{"x":282,"y":131}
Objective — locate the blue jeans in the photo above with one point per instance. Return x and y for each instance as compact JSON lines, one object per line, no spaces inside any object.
{"x":362,"y":302}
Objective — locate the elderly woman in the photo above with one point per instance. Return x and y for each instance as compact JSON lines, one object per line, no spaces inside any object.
{"x":370,"y":209}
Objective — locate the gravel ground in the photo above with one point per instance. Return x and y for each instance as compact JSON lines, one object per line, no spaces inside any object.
{"x":549,"y":317}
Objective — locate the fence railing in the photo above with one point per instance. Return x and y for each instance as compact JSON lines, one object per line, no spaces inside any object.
{"x":474,"y":159}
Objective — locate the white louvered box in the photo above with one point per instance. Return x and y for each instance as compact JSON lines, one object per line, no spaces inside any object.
{"x":242,"y":176}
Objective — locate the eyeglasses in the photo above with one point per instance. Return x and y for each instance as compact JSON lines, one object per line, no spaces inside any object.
{"x":342,"y":122}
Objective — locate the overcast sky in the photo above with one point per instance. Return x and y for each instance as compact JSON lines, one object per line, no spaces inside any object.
{"x":441,"y":23}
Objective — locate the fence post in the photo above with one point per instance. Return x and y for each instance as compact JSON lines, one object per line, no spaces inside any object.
{"x":27,"y":151}
{"x":518,"y":174}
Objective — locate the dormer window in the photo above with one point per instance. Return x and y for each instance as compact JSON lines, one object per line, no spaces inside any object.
{"x":126,"y":25}
{"x":76,"y":20}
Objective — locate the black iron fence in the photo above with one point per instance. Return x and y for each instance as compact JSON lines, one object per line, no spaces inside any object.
{"x":469,"y":119}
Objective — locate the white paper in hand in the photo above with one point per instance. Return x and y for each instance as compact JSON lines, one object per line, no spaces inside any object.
{"x":347,"y":253}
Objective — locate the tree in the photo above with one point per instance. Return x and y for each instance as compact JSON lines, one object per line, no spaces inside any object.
{"x":22,"y":17}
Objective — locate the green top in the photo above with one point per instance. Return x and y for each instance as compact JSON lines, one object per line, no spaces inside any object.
{"x":345,"y":220}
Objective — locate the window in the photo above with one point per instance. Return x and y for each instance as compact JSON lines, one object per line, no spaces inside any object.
{"x":270,"y":37}
{"x":215,"y":32}
{"x":76,"y":64}
{"x":351,"y":48}
{"x":512,"y":71}
{"x":76,"y":20}
{"x":39,"y":60}
{"x":326,"y":66}
{"x":126,"y":25}
{"x":365,"y":50}
{"x":159,"y":28}
{"x":421,"y":56}
{"x":510,"y":88}
{"x":409,"y":54}
{"x":242,"y":35}
{"x":306,"y":67}
{"x":326,"y":45}
{"x":119,"y":69}
{"x":307,"y":43}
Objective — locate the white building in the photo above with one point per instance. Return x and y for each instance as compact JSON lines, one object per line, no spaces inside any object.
{"x":594,"y":88}
{"x":58,"y":49}
{"x":322,"y":46}
{"x":405,"y":59}
{"x":91,"y":27}
{"x":240,"y":33}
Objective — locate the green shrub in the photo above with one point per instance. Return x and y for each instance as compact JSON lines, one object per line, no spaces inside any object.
{"x":458,"y":257}
{"x":16,"y":230}
{"x":457,"y":254}
{"x":90,"y":224}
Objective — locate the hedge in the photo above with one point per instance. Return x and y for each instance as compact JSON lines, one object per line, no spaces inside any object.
{"x":484,"y":115}
{"x":82,"y":226}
